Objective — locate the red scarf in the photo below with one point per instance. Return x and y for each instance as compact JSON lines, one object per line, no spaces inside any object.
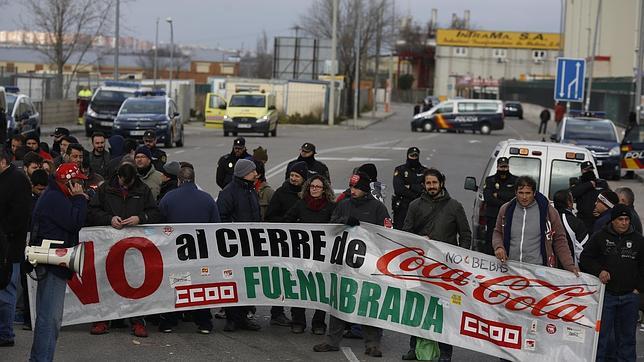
{"x":315,"y":204}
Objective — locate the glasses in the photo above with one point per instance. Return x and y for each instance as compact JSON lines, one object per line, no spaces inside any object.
{"x":316,"y":187}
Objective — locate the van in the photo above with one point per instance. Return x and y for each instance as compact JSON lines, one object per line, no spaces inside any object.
{"x":481,"y":115}
{"x":214,"y":110}
{"x":553,"y":165}
{"x":251,"y":112}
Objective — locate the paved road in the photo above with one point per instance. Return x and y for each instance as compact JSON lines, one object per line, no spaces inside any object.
{"x":342,"y":149}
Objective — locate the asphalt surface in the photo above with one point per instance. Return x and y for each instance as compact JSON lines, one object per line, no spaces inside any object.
{"x":342,"y":149}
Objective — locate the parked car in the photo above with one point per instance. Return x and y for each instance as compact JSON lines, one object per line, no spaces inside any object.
{"x":22,"y":116}
{"x":150,"y":110}
{"x":552,"y":165}
{"x":461,"y":114}
{"x":251,"y":112}
{"x":632,"y":148}
{"x":513,"y":109}
{"x":599,"y":136}
{"x":105,"y":104}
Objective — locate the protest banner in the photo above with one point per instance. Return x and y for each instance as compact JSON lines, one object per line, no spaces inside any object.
{"x":366,"y":274}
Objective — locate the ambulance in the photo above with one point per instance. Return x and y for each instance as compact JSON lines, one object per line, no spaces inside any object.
{"x":555,"y":166}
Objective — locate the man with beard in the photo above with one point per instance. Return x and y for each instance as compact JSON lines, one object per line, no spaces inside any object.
{"x":226,"y":164}
{"x":31,"y":162}
{"x":99,"y":158}
{"x":283,"y":199}
{"x":497,"y":190}
{"x":362,"y":206}
{"x":33,"y":144}
{"x":585,"y":193}
{"x":158,"y":156}
{"x":307,"y":154}
{"x":408,"y":185}
{"x":147,"y":173}
{"x":437,"y":216}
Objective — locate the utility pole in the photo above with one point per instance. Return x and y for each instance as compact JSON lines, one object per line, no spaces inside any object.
{"x":378,"y":41}
{"x":156,"y":51}
{"x":356,"y":94}
{"x":116,"y":41}
{"x":334,"y":45}
{"x":638,"y":68}
{"x":169,"y":20}
{"x":592,"y":58}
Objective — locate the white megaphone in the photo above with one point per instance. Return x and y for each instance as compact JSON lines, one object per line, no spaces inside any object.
{"x":71,"y":258}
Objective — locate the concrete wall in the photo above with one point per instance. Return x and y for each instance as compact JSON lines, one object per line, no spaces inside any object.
{"x":57,"y":111}
{"x":617,"y":36}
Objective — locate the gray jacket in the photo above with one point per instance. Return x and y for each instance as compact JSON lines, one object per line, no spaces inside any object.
{"x":441,"y":219}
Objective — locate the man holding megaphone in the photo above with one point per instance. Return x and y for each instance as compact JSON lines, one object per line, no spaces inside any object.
{"x":58,"y":216}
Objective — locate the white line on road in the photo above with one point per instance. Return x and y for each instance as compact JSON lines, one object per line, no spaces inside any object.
{"x":385,"y":148}
{"x":474,"y":141}
{"x":349,"y":354}
{"x":353,"y":159}
{"x":179,"y":151}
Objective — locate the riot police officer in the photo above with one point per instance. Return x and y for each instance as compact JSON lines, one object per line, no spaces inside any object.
{"x":497,"y":190}
{"x":159,"y":157}
{"x":408,"y":185}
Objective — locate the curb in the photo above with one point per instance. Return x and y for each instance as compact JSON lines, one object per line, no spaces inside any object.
{"x":370,"y":123}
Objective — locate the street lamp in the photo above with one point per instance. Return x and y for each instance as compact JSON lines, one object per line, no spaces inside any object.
{"x":169,"y":20}
{"x":156,"y":49}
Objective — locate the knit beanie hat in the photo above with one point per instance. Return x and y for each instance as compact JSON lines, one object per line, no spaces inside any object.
{"x":360,"y":181}
{"x":243,"y":167}
{"x":619,"y":210}
{"x":144,"y":151}
{"x":171,"y":169}
{"x":260,"y":154}
{"x":300,"y":168}
{"x":370,"y":170}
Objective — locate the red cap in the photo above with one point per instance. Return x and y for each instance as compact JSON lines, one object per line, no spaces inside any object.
{"x":68,"y":171}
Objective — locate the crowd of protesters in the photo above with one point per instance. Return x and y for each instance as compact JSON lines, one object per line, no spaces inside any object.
{"x":52,"y":192}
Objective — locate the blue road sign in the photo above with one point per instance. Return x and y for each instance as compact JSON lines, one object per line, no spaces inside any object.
{"x":569,"y":82}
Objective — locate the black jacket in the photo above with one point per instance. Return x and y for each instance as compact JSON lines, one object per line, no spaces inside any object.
{"x":442,"y":219}
{"x":238,"y":202}
{"x":283,"y":199}
{"x":166,"y":187}
{"x":504,"y":190}
{"x":301,"y":212}
{"x":408,"y":184}
{"x":226,"y":166}
{"x":15,"y":207}
{"x":315,"y":167}
{"x":109,"y":201}
{"x":158,"y":158}
{"x":99,"y":164}
{"x":620,"y":255}
{"x":585,"y":196}
{"x":366,"y":209}
{"x":576,"y":232}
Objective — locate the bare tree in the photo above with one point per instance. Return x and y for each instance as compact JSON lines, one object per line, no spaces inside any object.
{"x":375,"y":16}
{"x":260,"y":63}
{"x":71,"y":26}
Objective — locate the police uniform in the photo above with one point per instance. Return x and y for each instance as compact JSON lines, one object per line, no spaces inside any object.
{"x":159,"y":157}
{"x":408,"y":186}
{"x":496,"y":192}
{"x":226,"y":163}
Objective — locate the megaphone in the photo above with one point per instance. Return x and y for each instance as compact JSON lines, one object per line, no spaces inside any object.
{"x":71,"y":258}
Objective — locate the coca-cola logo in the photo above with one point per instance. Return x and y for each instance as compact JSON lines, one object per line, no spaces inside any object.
{"x":513,"y":292}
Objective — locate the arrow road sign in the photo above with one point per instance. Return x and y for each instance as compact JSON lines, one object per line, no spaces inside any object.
{"x":569,"y":83}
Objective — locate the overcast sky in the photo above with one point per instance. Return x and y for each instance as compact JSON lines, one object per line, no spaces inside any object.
{"x":236,"y":23}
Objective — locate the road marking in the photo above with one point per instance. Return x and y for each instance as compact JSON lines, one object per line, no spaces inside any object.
{"x":348,"y":353}
{"x":281,"y":167}
{"x":426,"y":137}
{"x":353,"y":159}
{"x":385,"y":148}
{"x":474,"y":141}
{"x":179,"y":151}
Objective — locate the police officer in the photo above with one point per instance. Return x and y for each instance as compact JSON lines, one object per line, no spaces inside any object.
{"x":226,"y":164}
{"x":497,"y":190}
{"x":585,"y":193}
{"x":159,"y":157}
{"x":408,"y":185}
{"x":315,"y":167}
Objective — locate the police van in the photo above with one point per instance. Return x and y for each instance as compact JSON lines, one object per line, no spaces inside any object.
{"x":105,"y":105}
{"x":482,"y":115}
{"x":554,"y":166}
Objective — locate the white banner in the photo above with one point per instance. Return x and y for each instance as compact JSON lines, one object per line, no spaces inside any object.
{"x":366,"y":274}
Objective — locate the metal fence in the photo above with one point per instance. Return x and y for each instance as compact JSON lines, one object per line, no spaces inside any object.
{"x":615,"y":96}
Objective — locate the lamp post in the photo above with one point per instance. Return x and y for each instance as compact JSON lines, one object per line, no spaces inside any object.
{"x":169,"y":20}
{"x":156,"y":48}
{"x":116,"y":41}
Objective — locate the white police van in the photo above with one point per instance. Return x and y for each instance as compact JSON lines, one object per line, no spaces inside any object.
{"x":553,"y":165}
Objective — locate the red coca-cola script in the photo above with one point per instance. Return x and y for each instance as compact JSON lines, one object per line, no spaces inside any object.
{"x":513,"y":292}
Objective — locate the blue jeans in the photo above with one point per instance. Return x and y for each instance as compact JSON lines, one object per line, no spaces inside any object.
{"x":50,"y":300}
{"x":619,"y":316}
{"x":8,"y":305}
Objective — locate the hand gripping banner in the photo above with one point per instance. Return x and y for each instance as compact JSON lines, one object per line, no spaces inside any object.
{"x":366,"y":274}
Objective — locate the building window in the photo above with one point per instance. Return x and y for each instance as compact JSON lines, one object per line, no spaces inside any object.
{"x":227,"y":69}
{"x":500,"y":53}
{"x":203,"y":67}
{"x":460,"y":51}
{"x":539,"y":55}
